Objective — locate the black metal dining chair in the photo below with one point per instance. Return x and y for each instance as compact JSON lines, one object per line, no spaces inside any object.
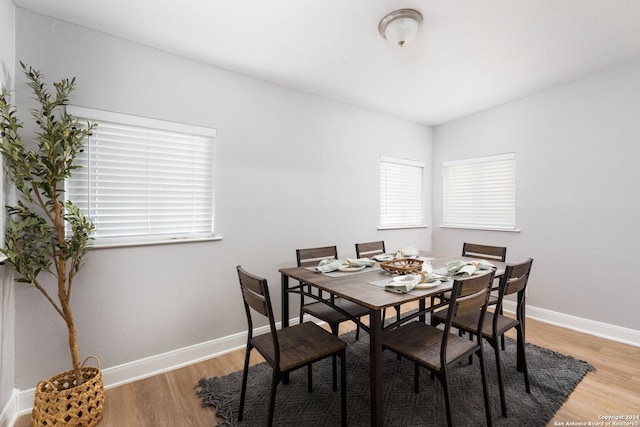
{"x":495,"y":324}
{"x":496,"y":253}
{"x":310,"y":257}
{"x":287,"y":349}
{"x":369,"y":250}
{"x":486,"y":252}
{"x":437,"y":349}
{"x":489,"y":253}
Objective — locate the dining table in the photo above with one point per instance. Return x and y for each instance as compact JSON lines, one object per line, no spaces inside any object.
{"x":367,"y":287}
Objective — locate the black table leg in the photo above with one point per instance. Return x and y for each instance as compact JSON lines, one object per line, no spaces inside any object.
{"x":375,"y":355}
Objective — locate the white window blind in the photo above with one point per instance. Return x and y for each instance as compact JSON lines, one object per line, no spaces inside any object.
{"x":401,"y":193}
{"x":143,"y":179}
{"x":480,"y":192}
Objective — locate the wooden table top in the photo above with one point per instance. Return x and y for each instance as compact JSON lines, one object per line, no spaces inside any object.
{"x":357,"y":286}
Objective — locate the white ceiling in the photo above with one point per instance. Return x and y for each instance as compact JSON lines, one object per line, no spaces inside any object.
{"x":469,"y":55}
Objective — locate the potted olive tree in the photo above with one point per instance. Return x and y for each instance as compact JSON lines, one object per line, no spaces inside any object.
{"x":48,"y":237}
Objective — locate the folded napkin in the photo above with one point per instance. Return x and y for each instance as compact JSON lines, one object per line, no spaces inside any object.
{"x":329,"y":265}
{"x":366,"y":262}
{"x":403,"y":284}
{"x":467,"y":268}
{"x":432,"y":277}
{"x":408,"y":252}
{"x":384,"y":257}
{"x":429,"y":275}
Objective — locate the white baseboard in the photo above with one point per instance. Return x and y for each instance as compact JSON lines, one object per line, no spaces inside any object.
{"x":154,"y":365}
{"x":22,"y":401}
{"x":580,"y":324}
{"x":9,"y":414}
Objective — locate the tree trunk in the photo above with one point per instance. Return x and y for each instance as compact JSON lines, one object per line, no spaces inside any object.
{"x":73,"y":347}
{"x":64,"y":295}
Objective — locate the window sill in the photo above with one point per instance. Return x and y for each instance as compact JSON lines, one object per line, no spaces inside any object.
{"x":125,"y":244}
{"x":468,"y":227}
{"x":401,"y":227}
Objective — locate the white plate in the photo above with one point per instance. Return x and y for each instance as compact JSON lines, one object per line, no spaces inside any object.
{"x":351,"y":269}
{"x":428,"y":285}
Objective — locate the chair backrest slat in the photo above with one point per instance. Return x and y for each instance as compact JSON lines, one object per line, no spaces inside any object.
{"x":468,"y":294}
{"x":498,"y":253}
{"x":516,"y":285}
{"x":515,"y":280}
{"x":312,"y":256}
{"x":473,"y":294}
{"x":255,"y":301}
{"x":255,"y":295}
{"x":369,"y":249}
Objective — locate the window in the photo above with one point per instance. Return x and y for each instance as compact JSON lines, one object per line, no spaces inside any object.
{"x":480,"y":192}
{"x":144,"y":180}
{"x":401,"y":193}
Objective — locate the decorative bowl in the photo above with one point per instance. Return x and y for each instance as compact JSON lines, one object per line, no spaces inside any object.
{"x":402,"y":265}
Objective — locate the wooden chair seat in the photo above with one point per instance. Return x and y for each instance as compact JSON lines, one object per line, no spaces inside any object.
{"x":470,"y":321}
{"x":299,"y":345}
{"x":327,"y":313}
{"x":428,"y":352}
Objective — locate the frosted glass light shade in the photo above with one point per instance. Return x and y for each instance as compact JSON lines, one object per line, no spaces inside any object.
{"x":401,"y":26}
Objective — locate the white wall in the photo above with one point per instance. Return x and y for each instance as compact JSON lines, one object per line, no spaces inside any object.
{"x":7,"y":300}
{"x":293,"y":170}
{"x":578,"y":158}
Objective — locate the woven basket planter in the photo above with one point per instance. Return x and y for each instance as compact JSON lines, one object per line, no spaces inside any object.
{"x":60,"y":402}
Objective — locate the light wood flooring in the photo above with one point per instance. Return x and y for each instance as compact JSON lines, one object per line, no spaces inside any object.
{"x":169,"y":399}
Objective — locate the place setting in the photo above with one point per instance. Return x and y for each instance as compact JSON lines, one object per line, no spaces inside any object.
{"x":417,"y":274}
{"x":340,"y":267}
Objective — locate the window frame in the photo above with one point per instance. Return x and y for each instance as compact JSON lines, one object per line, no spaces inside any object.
{"x":509,"y":190}
{"x":384,"y":201}
{"x":84,"y":114}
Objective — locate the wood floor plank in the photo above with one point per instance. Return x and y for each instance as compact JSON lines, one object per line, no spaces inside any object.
{"x":169,"y":399}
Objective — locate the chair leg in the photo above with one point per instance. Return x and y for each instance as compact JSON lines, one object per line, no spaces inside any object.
{"x":485,"y":392}
{"x":503,"y":402}
{"x":416,"y":377}
{"x":275,"y":379}
{"x":245,"y":374}
{"x":343,"y":387}
{"x":301,"y":302}
{"x":501,"y":336}
{"x":334,"y":363}
{"x":523,"y":358}
{"x":519,"y":347}
{"x":309,"y":378}
{"x":444,"y":379}
{"x":357,"y":331}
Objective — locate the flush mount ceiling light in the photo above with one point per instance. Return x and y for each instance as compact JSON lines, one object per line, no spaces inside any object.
{"x":400,"y":26}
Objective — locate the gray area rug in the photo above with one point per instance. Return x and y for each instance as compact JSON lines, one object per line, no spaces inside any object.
{"x":553,"y":377}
